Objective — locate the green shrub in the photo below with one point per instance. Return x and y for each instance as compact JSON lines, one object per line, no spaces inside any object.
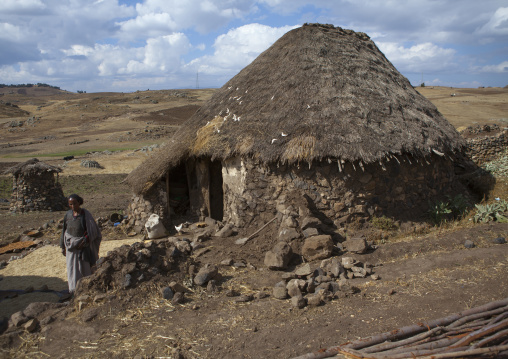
{"x":453,"y":208}
{"x":491,"y":212}
{"x":383,"y":223}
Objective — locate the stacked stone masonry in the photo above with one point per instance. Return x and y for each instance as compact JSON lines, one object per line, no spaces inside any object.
{"x":401,"y":188}
{"x":487,"y":148}
{"x":37,"y":193}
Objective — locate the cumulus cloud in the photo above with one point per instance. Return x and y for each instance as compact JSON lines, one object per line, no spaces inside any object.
{"x":497,"y":24}
{"x":157,"y":17}
{"x":21,"y":7}
{"x":104,"y":43}
{"x":239,"y":47}
{"x":499,"y":68}
{"x":417,"y":58}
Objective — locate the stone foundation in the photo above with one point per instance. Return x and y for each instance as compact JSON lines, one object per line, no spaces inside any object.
{"x":37,"y":193}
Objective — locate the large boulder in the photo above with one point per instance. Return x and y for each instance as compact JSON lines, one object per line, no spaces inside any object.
{"x":279,"y":256}
{"x":318,"y":247}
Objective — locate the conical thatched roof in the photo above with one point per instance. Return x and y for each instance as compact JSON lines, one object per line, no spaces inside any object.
{"x":32,"y":167}
{"x":318,"y":92}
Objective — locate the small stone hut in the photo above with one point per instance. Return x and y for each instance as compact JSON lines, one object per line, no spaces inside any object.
{"x":35,"y":188}
{"x":319,"y":123}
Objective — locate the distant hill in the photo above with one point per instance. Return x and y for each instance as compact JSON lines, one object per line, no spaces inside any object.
{"x":8,"y":110}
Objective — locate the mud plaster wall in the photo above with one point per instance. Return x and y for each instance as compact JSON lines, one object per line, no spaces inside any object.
{"x":37,"y":193}
{"x":254,"y":192}
{"x":485,"y":149}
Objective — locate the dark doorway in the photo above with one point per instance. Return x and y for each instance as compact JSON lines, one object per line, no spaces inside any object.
{"x":216,"y":192}
{"x":178,"y":195}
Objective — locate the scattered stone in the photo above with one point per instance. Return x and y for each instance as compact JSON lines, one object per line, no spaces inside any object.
{"x":18,"y":319}
{"x":226,"y":231}
{"x":314,"y":300}
{"x":177,"y":287}
{"x":310,"y":222}
{"x":178,"y":298}
{"x":348,"y":262}
{"x":374,"y":277}
{"x":227,"y":262}
{"x":356,"y":245}
{"x":469,"y":244}
{"x":279,"y":256}
{"x":294,"y":287}
{"x":261,"y":295}
{"x":167,"y":293}
{"x":47,"y":320}
{"x":127,"y":281}
{"x":31,"y":325}
{"x":391,"y":291}
{"x":206,"y":273}
{"x":288,"y":276}
{"x":303,"y":270}
{"x":211,"y":287}
{"x":499,"y":240}
{"x":288,"y":234}
{"x":298,"y":302}
{"x":232,"y":293}
{"x":244,"y":298}
{"x":310,"y":232}
{"x":332,"y":267}
{"x":280,"y":292}
{"x":317,"y":247}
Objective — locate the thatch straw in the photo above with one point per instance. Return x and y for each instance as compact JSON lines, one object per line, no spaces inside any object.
{"x":32,"y":167}
{"x":318,"y":92}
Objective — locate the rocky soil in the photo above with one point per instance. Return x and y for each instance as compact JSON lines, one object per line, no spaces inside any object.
{"x":205,"y":292}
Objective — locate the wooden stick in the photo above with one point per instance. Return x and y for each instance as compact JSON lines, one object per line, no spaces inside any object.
{"x":244,"y":240}
{"x":390,"y":345}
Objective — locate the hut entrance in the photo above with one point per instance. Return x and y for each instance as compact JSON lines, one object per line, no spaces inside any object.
{"x":178,"y":191}
{"x":216,"y":192}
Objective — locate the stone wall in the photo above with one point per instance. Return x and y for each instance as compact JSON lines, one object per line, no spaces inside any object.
{"x":486,"y":148}
{"x":141,"y":207}
{"x":254,"y":193}
{"x":37,"y":193}
{"x":401,"y":190}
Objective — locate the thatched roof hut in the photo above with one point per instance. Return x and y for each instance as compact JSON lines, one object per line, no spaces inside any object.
{"x":32,"y":167}
{"x":320,"y":93}
{"x":35,"y":187}
{"x":334,"y":94}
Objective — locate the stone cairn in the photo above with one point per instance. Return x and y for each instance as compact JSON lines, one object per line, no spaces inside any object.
{"x":35,"y":188}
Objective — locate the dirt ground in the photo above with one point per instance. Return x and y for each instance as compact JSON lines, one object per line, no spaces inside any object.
{"x":423,"y":275}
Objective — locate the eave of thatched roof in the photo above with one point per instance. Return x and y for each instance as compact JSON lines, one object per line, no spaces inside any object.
{"x":318,"y":92}
{"x":32,"y":167}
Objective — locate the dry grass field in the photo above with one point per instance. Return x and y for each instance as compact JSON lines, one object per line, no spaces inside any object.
{"x":424,"y":274}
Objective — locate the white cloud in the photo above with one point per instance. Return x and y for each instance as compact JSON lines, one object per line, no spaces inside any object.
{"x":499,"y":68}
{"x":421,"y":57}
{"x":21,"y":7}
{"x":157,"y":17}
{"x":239,"y":47}
{"x":497,"y":24}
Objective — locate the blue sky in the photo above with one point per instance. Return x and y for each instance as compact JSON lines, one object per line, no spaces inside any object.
{"x":128,"y":45}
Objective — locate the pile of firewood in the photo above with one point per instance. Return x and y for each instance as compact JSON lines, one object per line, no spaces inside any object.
{"x":479,"y":332}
